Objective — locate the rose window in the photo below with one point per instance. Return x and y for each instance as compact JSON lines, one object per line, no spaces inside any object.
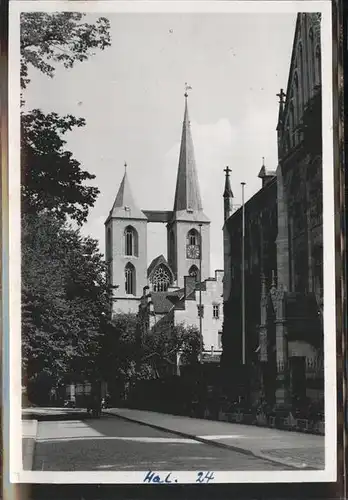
{"x":161,"y":279}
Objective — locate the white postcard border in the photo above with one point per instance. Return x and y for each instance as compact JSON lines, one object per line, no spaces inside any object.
{"x":17,"y":474}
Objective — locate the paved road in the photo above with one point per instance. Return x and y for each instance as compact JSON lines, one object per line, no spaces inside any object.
{"x":110,"y":443}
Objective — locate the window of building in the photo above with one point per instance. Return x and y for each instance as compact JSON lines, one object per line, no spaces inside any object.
{"x":297,"y":99}
{"x":200,"y":311}
{"x":311,"y":60}
{"x":302,"y":75}
{"x":220,"y":340}
{"x":192,"y":237}
{"x":216,"y":311}
{"x":108,"y":244}
{"x":193,"y":244}
{"x":109,"y":273}
{"x":130,"y":279}
{"x":194,"y":271}
{"x":161,"y":279}
{"x":171,"y":248}
{"x":131,"y":241}
{"x":292,"y":124}
{"x":317,"y":65}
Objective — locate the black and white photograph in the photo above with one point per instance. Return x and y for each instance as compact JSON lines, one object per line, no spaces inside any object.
{"x":172,"y":276}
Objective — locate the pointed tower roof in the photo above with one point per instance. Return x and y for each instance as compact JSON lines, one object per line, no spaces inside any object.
{"x":228,"y":190}
{"x":124,"y":205}
{"x":264,"y":172}
{"x":187,"y":194}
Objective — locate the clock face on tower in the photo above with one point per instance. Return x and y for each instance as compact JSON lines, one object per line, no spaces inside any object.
{"x":192,"y":251}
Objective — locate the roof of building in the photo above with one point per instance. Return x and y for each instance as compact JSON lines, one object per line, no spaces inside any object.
{"x":124,"y":205}
{"x":158,"y":215}
{"x":180,"y":294}
{"x":255,"y":203}
{"x":176,"y":294}
{"x":265,"y":172}
{"x":187,"y":194}
{"x":160,"y":302}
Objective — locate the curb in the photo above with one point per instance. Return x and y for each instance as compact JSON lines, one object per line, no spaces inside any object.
{"x":28,"y":447}
{"x":294,"y":465}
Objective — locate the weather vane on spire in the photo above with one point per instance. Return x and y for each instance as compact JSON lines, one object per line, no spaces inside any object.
{"x":125,"y":166}
{"x":187,"y":87}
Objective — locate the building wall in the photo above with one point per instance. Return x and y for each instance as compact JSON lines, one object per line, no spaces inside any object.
{"x":300,"y":203}
{"x":260,"y":258}
{"x":210,"y":325}
{"x":304,"y":76}
{"x":227,"y":281}
{"x":126,"y":305}
{"x":283,"y":240}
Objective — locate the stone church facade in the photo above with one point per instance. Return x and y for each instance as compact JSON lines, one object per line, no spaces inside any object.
{"x":283,"y":247}
{"x":168,"y":289}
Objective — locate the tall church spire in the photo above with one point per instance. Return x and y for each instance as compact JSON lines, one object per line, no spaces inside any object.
{"x":124,"y":205}
{"x":187,"y":194}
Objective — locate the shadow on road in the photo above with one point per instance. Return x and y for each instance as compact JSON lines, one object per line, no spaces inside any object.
{"x":61,"y":415}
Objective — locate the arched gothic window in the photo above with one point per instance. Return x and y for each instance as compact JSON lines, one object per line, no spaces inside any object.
{"x":292,"y":124}
{"x":312,"y":58}
{"x":298,"y":98}
{"x":297,"y":105}
{"x":194,"y":271}
{"x":130,"y":279}
{"x":109,"y":273}
{"x":108,"y":245}
{"x":302,"y":76}
{"x":193,"y":244}
{"x":318,"y":270}
{"x":161,"y":279}
{"x":131,"y":241}
{"x":171,"y":247}
{"x":318,"y":65}
{"x":193,"y":237}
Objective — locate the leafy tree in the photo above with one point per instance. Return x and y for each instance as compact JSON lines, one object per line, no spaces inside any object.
{"x":64,"y":294}
{"x":65,"y":307}
{"x":51,"y":178}
{"x":60,"y":38}
{"x":130,"y":354}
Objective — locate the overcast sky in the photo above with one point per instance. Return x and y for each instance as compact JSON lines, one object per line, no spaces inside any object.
{"x":132,"y":97}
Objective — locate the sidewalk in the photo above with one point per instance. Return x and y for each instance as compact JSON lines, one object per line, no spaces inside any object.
{"x":292,"y":449}
{"x":29,"y":432}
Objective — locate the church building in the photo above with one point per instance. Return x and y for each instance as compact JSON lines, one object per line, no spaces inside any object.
{"x":283,"y":259}
{"x":178,"y":286}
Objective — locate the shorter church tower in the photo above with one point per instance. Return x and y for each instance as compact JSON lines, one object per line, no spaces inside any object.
{"x":125,"y":249}
{"x":228,"y":195}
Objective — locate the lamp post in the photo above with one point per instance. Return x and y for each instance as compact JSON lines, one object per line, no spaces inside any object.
{"x":200,"y":296}
{"x":243,"y":274}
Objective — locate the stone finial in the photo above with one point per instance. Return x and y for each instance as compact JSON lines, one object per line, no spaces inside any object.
{"x":273,"y":284}
{"x":263,"y":285}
